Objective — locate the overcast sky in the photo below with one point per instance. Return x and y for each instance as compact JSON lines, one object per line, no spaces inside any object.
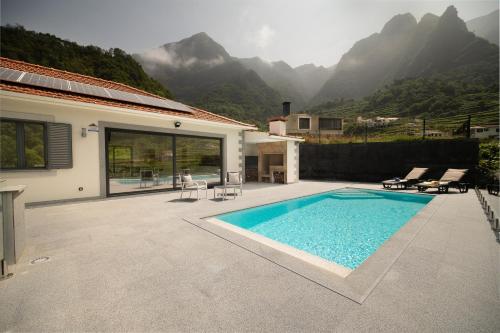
{"x":298,"y":32}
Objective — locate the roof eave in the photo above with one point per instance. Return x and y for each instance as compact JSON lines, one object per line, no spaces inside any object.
{"x":83,"y":105}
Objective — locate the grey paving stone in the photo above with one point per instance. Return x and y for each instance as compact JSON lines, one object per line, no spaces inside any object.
{"x":133,"y":264}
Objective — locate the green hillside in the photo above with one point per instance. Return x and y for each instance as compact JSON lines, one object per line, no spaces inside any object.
{"x":444,"y":100}
{"x":48,"y":50}
{"x":243,"y":96}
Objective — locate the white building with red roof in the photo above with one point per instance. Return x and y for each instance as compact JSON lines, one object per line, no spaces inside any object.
{"x":68,"y":136}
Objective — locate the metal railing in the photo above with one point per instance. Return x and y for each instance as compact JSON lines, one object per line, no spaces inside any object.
{"x":490,"y":214}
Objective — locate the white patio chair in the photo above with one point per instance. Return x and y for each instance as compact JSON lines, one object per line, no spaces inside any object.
{"x":234,"y":180}
{"x":188,"y":184}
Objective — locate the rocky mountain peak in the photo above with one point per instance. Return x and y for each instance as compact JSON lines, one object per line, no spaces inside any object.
{"x":399,"y":24}
{"x":200,"y":45}
{"x":450,"y":21}
{"x":428,"y":19}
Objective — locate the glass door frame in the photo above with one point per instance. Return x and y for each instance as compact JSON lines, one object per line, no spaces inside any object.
{"x":107,"y":132}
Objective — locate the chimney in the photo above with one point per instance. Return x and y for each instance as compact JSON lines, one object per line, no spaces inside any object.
{"x":277,"y":126}
{"x":286,"y":109}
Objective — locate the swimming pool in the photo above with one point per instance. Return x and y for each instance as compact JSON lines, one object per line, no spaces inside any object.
{"x":343,"y":226}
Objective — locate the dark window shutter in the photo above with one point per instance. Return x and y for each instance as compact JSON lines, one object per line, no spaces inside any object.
{"x":59,"y":143}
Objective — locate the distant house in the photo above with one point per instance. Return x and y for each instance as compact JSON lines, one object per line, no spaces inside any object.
{"x":434,"y":133}
{"x":376,"y":122}
{"x":362,"y":121}
{"x":483,"y":132}
{"x":303,"y":123}
{"x":385,"y":120}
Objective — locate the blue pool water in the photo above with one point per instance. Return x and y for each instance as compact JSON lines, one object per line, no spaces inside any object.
{"x":344,"y":226}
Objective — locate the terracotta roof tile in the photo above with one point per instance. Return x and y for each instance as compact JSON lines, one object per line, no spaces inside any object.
{"x":67,"y":95}
{"x":278,"y":118}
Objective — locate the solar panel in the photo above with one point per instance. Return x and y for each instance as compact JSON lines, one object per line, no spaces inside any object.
{"x":9,"y":75}
{"x":12,"y":75}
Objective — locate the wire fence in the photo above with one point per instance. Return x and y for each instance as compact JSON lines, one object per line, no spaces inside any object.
{"x":482,"y":125}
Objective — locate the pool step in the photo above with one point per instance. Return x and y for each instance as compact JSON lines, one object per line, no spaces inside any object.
{"x":344,"y":195}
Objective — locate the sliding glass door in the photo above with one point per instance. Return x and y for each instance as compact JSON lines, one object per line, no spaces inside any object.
{"x":199,"y":157}
{"x":145,"y":161}
{"x":139,"y":161}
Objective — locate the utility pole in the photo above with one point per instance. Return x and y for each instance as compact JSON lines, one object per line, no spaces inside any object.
{"x":468,"y":127}
{"x":423,"y":130}
{"x":366,"y":133}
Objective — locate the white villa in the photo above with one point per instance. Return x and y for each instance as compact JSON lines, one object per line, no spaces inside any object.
{"x":69,"y":136}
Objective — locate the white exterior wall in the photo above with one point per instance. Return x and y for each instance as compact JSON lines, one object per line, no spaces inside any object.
{"x":292,"y":161}
{"x":487,"y":132}
{"x":277,"y":127}
{"x":88,"y":152}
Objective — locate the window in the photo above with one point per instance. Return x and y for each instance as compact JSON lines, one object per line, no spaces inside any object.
{"x":330,"y":124}
{"x":304,"y":123}
{"x":23,"y":144}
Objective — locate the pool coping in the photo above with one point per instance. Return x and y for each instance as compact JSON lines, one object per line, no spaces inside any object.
{"x":300,"y":254}
{"x":359,"y":283}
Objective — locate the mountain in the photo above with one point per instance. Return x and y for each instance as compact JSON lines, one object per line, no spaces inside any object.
{"x":279,"y":76}
{"x":449,"y":46}
{"x":406,"y":49}
{"x":485,"y":26}
{"x":297,"y":85}
{"x":186,"y":64}
{"x":313,"y":78}
{"x":376,"y":60}
{"x":199,"y":71}
{"x":443,"y":74}
{"x":49,"y":50}
{"x":195,"y":53}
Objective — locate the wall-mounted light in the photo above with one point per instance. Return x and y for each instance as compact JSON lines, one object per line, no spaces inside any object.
{"x":93,"y":128}
{"x":84,"y":132}
{"x":177,"y":124}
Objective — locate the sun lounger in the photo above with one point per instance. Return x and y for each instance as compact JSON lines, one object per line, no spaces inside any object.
{"x":411,"y":178}
{"x":494,"y":187}
{"x":451,"y":178}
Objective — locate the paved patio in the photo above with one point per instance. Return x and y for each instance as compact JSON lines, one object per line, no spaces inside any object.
{"x":134,"y":264}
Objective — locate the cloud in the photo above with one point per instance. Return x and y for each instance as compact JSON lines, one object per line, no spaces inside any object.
{"x":264,"y":36}
{"x":160,"y":56}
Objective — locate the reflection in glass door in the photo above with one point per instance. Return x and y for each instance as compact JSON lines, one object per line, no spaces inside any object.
{"x":200,"y":157}
{"x":138,"y":161}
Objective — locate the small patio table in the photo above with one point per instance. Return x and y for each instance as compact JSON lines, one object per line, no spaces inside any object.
{"x":223,"y":190}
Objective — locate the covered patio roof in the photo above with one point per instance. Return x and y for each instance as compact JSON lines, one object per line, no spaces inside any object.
{"x":263,"y":137}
